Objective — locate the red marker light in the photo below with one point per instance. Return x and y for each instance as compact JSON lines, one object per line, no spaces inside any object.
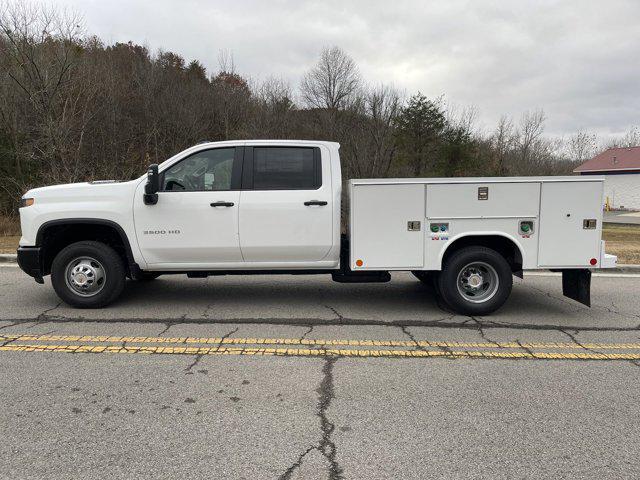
{"x":593,"y":261}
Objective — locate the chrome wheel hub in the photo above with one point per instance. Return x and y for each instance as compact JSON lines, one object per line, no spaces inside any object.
{"x":475,"y":281}
{"x":85,"y":276}
{"x":478,"y":282}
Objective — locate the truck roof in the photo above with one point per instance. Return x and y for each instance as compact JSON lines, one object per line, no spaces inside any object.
{"x":270,"y":142}
{"x":395,"y":181}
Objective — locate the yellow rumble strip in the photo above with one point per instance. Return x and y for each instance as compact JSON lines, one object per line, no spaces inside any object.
{"x":318,"y":348}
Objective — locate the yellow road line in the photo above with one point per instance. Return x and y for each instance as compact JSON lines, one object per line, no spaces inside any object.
{"x":315,"y":342}
{"x":306,"y":352}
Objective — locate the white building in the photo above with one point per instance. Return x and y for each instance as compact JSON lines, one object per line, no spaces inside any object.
{"x":621,"y":169}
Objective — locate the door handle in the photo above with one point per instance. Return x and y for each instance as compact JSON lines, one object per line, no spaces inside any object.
{"x":222,"y":204}
{"x":315,"y":202}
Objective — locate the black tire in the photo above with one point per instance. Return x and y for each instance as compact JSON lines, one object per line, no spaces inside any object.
{"x":108,"y":269}
{"x":468,"y":297}
{"x":146,"y":276}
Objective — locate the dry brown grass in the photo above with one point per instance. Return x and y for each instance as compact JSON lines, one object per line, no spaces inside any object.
{"x":9,"y":234}
{"x":9,"y":244}
{"x":622,"y":240}
{"x":9,"y":226}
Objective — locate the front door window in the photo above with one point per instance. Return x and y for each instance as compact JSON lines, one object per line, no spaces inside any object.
{"x":209,"y":170}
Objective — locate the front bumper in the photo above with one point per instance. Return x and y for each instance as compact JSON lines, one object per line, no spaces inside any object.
{"x":30,"y":261}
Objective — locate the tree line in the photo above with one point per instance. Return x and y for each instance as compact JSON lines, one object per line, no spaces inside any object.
{"x":73,"y":108}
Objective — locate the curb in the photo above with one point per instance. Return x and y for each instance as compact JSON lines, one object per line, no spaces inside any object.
{"x":8,"y":258}
{"x":621,"y":268}
{"x":621,"y":224}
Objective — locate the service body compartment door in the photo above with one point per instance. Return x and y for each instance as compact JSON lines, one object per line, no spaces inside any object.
{"x":381,"y":236}
{"x":564,"y":207}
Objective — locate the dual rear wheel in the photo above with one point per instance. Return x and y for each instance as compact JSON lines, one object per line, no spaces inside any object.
{"x":473,"y":281}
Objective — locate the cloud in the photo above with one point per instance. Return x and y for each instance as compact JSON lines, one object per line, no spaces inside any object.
{"x":578,"y":60}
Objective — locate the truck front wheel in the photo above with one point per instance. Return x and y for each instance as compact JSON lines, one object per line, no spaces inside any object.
{"x":475,"y":281}
{"x":88,"y":274}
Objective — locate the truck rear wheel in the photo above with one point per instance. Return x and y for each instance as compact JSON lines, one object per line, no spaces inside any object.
{"x":475,"y":281}
{"x":88,"y":274}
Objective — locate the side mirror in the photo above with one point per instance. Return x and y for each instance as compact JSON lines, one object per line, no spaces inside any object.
{"x":152,"y":186}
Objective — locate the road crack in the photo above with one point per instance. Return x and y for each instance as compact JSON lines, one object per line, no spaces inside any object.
{"x":310,"y":329}
{"x":7,"y":342}
{"x":172,"y":323}
{"x":480,"y":325}
{"x":297,"y":464}
{"x":45,"y":316}
{"x":337,"y":314}
{"x":442,"y":348}
{"x":325,"y":446}
{"x":326,"y":391}
{"x":406,"y":331}
{"x":306,"y":322}
{"x":193,"y":364}
{"x":525,"y":348}
{"x":10,"y":325}
{"x":200,"y":356}
{"x":575,"y":340}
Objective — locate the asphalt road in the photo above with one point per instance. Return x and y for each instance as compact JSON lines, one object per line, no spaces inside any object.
{"x":299,"y":377}
{"x":622,"y":217}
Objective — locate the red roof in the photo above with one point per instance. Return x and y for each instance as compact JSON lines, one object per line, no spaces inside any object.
{"x":614,"y":159}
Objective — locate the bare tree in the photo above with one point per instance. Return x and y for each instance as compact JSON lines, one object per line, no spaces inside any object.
{"x":226,"y":62}
{"x":502,"y":143}
{"x":272,"y":115}
{"x":332,"y":82}
{"x":530,"y":130}
{"x":581,"y":146}
{"x":368,"y":132}
{"x":630,"y":139}
{"x":39,"y":53}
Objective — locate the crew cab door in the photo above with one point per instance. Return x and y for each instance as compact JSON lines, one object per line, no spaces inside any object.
{"x":286,"y":207}
{"x":195,"y":222}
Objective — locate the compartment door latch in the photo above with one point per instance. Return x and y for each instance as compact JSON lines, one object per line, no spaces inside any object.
{"x":413,"y":226}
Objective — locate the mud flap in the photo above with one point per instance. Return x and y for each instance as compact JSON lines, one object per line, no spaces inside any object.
{"x":576,"y":284}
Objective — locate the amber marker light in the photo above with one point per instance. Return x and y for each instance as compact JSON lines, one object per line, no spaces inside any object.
{"x":359,"y":263}
{"x":26,"y":202}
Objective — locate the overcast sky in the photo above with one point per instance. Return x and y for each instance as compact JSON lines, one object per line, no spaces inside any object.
{"x":578,"y":60}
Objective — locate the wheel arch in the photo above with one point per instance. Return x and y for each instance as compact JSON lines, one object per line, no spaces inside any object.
{"x":54,"y":235}
{"x":504,"y":244}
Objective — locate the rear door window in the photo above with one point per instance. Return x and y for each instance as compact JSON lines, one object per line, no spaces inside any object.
{"x":286,"y":168}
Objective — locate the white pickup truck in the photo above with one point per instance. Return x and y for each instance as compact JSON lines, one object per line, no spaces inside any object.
{"x":274,"y":207}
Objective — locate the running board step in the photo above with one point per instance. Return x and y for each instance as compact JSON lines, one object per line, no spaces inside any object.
{"x":361,"y":277}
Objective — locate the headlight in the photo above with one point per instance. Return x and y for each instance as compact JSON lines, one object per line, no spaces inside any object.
{"x":26,"y":202}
